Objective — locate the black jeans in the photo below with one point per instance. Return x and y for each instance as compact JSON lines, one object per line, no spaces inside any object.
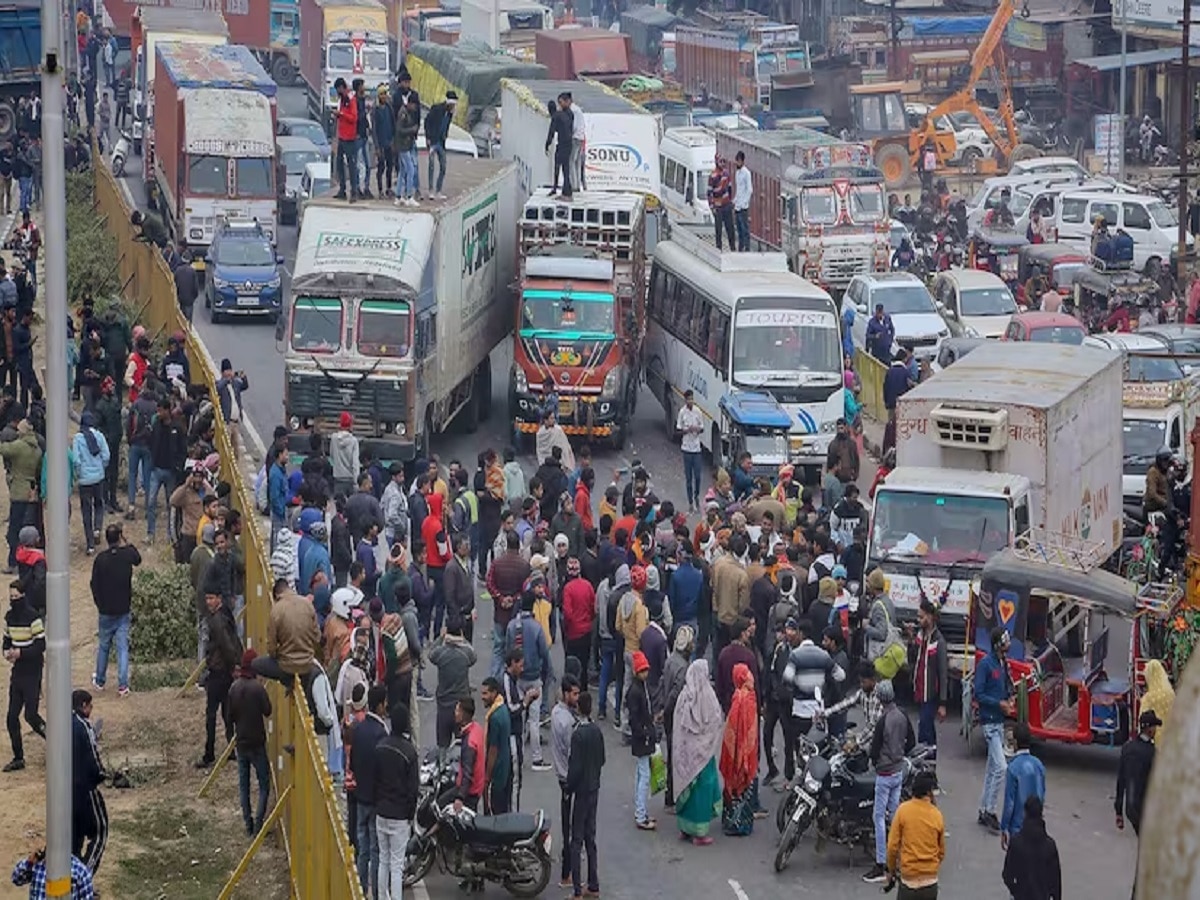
{"x":723,"y":218}
{"x":385,"y":165}
{"x":793,"y":728}
{"x":929,"y":892}
{"x":20,"y":514}
{"x":499,"y":797}
{"x":773,"y":715}
{"x":583,"y":834}
{"x":668,"y":730}
{"x":27,"y":379}
{"x":562,"y":163}
{"x":445,"y":723}
{"x":257,"y":760}
{"x":89,"y":824}
{"x":567,"y":802}
{"x":110,"y":478}
{"x":216,"y":694}
{"x":24,"y":693}
{"x":580,"y":649}
{"x":184,"y":546}
{"x":91,"y":503}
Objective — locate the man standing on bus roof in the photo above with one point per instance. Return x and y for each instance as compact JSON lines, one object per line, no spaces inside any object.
{"x":743,"y":190}
{"x":720,"y":200}
{"x":690,"y":425}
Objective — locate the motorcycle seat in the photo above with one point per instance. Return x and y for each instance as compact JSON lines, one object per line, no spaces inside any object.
{"x":505,"y":828}
{"x":864,"y":779}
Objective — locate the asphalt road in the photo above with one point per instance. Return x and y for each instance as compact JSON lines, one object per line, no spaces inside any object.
{"x":1097,"y":861}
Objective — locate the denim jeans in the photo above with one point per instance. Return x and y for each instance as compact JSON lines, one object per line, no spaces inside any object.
{"x":641,"y":788}
{"x":723,"y":220}
{"x":159,"y":478}
{"x":691,"y":475}
{"x":887,"y":798}
{"x":366,"y":160}
{"x":113,"y":627}
{"x":368,"y":848}
{"x":533,"y":718}
{"x":993,"y":779}
{"x":498,"y":635}
{"x":628,"y":682}
{"x":437,"y":151}
{"x":20,"y":514}
{"x":347,"y":164}
{"x":393,"y":842}
{"x":256,"y":759}
{"x":927,"y":723}
{"x":610,"y":658}
{"x":91,"y":503}
{"x":741,"y":218}
{"x":26,"y":185}
{"x":408,"y":184}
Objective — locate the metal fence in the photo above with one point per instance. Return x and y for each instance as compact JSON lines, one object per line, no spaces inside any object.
{"x":871,"y":372}
{"x":320,"y":859}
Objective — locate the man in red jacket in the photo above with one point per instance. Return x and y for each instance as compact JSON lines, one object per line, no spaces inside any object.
{"x":347,"y":140}
{"x":437,"y":556}
{"x":472,"y":769}
{"x":579,"y":612}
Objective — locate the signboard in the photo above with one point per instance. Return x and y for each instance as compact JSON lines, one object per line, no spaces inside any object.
{"x":1165,"y":14}
{"x":1109,"y":143}
{"x":1027,"y":35}
{"x":381,"y":243}
{"x":622,"y":153}
{"x":784,"y":318}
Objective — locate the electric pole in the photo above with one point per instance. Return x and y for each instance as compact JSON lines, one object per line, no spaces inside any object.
{"x":894,"y":41}
{"x":1185,"y":125}
{"x":57,"y":536}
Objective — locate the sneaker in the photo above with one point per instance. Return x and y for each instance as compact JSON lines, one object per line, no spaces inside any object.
{"x":413,"y":202}
{"x":992,"y":823}
{"x":877,"y":874}
{"x":340,"y":195}
{"x":123,"y":691}
{"x":541,"y":766}
{"x":566,"y":883}
{"x":441,"y":196}
{"x":617,"y":722}
{"x":15,"y":766}
{"x":424,"y":695}
{"x":601,"y":716}
{"x":96,"y":685}
{"x":205,"y":762}
{"x":399,"y":201}
{"x":366,"y":195}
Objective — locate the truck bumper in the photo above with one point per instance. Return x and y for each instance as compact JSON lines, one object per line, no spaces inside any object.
{"x":389,"y":449}
{"x":590,"y":416}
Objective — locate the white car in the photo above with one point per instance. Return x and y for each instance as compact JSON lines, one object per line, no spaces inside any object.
{"x":971,"y":141}
{"x":976,"y":300}
{"x":918,"y":324}
{"x":314,"y":182}
{"x":295,"y":153}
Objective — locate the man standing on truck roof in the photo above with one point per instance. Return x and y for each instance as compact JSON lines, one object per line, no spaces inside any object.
{"x":437,"y":129}
{"x":364,"y":136}
{"x":406,"y":94}
{"x":560,"y":130}
{"x":347,"y":140}
{"x":743,"y":190}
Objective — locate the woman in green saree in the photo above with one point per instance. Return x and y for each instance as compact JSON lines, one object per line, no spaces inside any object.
{"x":698,"y":730}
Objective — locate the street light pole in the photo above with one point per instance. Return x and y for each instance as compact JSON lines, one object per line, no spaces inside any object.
{"x":57,"y":537}
{"x":1185,"y":121}
{"x":1121,"y":115}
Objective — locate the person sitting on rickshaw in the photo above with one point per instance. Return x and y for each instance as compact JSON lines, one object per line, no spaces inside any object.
{"x":1000,"y":216}
{"x":1030,"y":292}
{"x":943,"y":196}
{"x":1119,"y":319}
{"x":904,"y":256}
{"x":1122,"y":249}
{"x":1033,"y":231}
{"x":1147,"y":318}
{"x":1101,"y":241}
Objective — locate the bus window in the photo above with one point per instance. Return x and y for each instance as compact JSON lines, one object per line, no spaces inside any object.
{"x":682,"y":314}
{"x":718,"y":339}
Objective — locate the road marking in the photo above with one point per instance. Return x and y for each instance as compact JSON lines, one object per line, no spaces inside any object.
{"x":422,"y":893}
{"x":737,"y":890}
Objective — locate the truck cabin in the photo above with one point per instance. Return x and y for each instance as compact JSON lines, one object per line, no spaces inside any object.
{"x":878,"y":110}
{"x":241,"y":166}
{"x":568,"y":293}
{"x":836,"y":198}
{"x":352,"y":52}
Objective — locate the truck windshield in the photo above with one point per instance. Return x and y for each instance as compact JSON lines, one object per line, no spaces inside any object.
{"x":254,"y":178}
{"x":1143,"y":439}
{"x":819,"y":206}
{"x":340,"y":57}
{"x":316,"y":325}
{"x":866,"y":204}
{"x":775,"y":340}
{"x":938,"y":528}
{"x":374,"y":59}
{"x":1153,"y":368}
{"x":208,"y":175}
{"x":384,"y":328}
{"x":553,"y":313}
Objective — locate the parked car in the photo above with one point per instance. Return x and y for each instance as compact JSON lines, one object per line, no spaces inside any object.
{"x":1045,"y":328}
{"x":243,"y":273}
{"x":294,"y":153}
{"x":290,"y":126}
{"x":919,"y":326}
{"x":978,"y":301}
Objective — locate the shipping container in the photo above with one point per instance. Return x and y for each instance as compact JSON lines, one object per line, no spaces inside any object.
{"x":1012,"y":437}
{"x":394,"y":312}
{"x":570,"y":53}
{"x":249,"y":21}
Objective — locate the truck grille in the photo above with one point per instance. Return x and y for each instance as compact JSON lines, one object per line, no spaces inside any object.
{"x":370,"y":402}
{"x":839,"y":265}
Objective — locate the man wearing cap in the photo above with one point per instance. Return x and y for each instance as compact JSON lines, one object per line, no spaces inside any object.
{"x":175,"y":365}
{"x":249,"y":708}
{"x":383,"y":124}
{"x":344,"y":456}
{"x":992,"y":692}
{"x":690,"y":425}
{"x":1133,"y":774}
{"x":437,"y":129}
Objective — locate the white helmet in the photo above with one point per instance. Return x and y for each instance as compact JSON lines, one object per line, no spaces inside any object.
{"x":341,"y":601}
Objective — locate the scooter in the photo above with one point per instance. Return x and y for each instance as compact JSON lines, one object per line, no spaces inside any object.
{"x":120,"y":153}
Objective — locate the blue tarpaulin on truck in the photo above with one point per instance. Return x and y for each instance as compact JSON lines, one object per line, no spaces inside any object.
{"x":946,"y":26}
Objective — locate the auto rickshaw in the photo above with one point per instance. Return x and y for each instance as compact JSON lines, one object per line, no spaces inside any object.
{"x":1055,"y":262}
{"x":1062,"y":611}
{"x":757,"y":424}
{"x":997,"y":250}
{"x":1097,"y":292}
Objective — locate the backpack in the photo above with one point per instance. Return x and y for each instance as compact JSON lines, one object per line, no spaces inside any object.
{"x":323,"y":706}
{"x":894,"y":655}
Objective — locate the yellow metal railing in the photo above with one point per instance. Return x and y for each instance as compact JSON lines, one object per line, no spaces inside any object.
{"x":870,"y":373}
{"x":323,"y":864}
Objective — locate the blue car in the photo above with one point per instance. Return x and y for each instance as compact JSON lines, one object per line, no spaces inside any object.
{"x":243,"y":273}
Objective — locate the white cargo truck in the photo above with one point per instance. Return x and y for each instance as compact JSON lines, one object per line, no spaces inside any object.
{"x":622,"y":137}
{"x":394,"y":312}
{"x":1155,"y":414}
{"x":1012,"y":437}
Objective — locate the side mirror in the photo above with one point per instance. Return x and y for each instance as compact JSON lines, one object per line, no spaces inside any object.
{"x":861,"y":307}
{"x":941,"y":307}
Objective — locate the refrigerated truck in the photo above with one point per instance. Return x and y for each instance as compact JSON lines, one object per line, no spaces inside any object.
{"x":214,"y":115}
{"x":341,"y":39}
{"x":394,"y":312}
{"x":150,"y":27}
{"x":1013,"y":437}
{"x":621,"y":152}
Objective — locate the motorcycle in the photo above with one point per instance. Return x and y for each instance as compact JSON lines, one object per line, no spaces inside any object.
{"x":512,"y":850}
{"x":838,"y":794}
{"x":120,"y":154}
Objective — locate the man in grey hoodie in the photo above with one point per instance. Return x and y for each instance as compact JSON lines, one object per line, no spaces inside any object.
{"x":452,"y":656}
{"x":892,"y":741}
{"x":880,"y":613}
{"x":612,"y":644}
{"x":344,"y":456}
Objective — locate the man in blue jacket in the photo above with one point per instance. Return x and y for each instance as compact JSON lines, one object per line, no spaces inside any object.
{"x":525,"y":634}
{"x":992,"y":691}
{"x":881,"y":333}
{"x":1026,"y":777}
{"x":277,"y":490}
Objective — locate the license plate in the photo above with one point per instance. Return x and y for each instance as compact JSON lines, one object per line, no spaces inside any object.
{"x":247,"y":301}
{"x":566,"y":407}
{"x":198,"y":264}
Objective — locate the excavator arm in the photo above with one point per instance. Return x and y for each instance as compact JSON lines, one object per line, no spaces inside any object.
{"x":988,"y":55}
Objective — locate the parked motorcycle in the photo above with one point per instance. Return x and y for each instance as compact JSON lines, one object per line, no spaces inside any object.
{"x":838,"y":794}
{"x":512,"y":850}
{"x":120,"y":153}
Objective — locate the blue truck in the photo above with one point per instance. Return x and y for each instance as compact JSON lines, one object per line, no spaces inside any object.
{"x":20,"y":58}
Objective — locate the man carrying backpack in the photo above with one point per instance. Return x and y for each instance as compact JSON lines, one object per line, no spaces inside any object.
{"x":138,"y":425}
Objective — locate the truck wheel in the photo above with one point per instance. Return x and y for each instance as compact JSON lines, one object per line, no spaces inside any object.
{"x":281,"y":71}
{"x":483,"y":385}
{"x":470,"y":411}
{"x":1024,"y":151}
{"x":892,"y":160}
{"x":718,"y":449}
{"x":8,"y":121}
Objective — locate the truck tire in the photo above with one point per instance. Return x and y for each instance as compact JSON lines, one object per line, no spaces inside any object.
{"x":8,"y":121}
{"x":1024,"y":151}
{"x":483,"y":384}
{"x":469,"y":415}
{"x":281,"y":71}
{"x":892,"y":160}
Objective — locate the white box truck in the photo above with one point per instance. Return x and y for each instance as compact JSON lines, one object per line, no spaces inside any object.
{"x":394,"y":312}
{"x":1012,"y":437}
{"x":621,"y":152}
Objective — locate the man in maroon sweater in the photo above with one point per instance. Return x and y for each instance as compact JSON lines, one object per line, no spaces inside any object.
{"x":740,"y":650}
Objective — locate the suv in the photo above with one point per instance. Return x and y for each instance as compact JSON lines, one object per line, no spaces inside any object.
{"x":919,"y":326}
{"x":243,"y":278}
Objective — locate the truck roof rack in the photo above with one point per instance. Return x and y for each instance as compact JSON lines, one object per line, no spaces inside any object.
{"x":698,"y":240}
{"x":1058,"y":549}
{"x":608,"y":222}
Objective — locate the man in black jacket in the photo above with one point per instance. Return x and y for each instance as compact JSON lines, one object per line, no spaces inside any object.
{"x":583,"y":783}
{"x":397,"y":773}
{"x":554,"y":483}
{"x":459,"y":589}
{"x":1133,"y":775}
{"x":25,"y":648}
{"x":223,"y":656}
{"x":364,"y":737}
{"x":168,"y":452}
{"x":562,"y":123}
{"x":642,"y":735}
{"x":112,"y":592}
{"x":437,"y":129}
{"x":1031,"y":867}
{"x":89,"y":814}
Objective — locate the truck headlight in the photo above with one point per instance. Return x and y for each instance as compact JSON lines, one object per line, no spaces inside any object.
{"x":401,"y":428}
{"x":612,"y":382}
{"x":520,"y":382}
{"x":196,"y":234}
{"x":795,"y":443}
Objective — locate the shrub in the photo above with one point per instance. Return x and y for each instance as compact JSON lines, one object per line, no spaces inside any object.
{"x":163,"y":621}
{"x":92,"y":261}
